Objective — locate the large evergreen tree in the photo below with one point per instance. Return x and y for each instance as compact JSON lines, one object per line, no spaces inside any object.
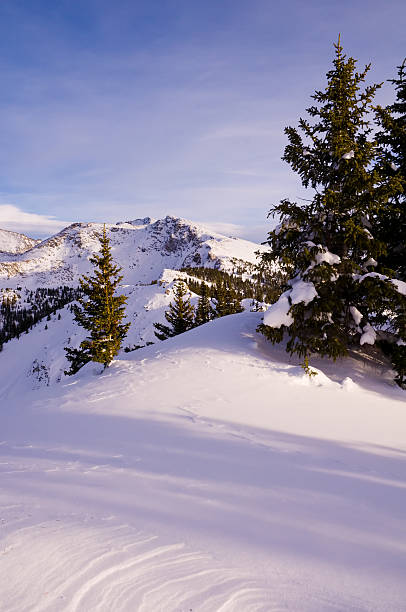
{"x":180,"y":315}
{"x":334,"y":299}
{"x":390,"y":223}
{"x":99,"y":311}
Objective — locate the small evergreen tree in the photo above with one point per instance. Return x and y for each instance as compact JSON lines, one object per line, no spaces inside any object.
{"x":390,"y":224}
{"x":100,"y":312}
{"x":334,"y":299}
{"x":204,"y":310}
{"x":180,"y":315}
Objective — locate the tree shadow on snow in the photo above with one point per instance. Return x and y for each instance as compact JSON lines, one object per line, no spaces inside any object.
{"x":274,"y":492}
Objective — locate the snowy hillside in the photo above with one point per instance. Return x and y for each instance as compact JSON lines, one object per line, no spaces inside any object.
{"x":143,"y":248}
{"x":40,"y":353}
{"x":12,"y":242}
{"x":204,"y":473}
{"x":150,"y":254}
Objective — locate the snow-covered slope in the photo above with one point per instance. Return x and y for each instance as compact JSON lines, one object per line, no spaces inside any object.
{"x":143,"y":248}
{"x":40,"y":353}
{"x":150,"y":254}
{"x":12,"y":242}
{"x":203,"y":473}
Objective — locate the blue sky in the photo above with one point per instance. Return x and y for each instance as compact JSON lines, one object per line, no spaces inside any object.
{"x":117,"y":110}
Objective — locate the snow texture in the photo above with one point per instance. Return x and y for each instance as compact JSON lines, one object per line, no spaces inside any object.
{"x":400,"y":285}
{"x":356,"y":315}
{"x":204,"y":473}
{"x":370,"y":262}
{"x":368,"y":336}
{"x":349,"y":155}
{"x":278,"y":313}
{"x":327,"y":257}
{"x":302,"y":292}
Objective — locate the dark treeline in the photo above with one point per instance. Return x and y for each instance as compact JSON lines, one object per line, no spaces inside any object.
{"x":18,"y":316}
{"x":264,"y":285}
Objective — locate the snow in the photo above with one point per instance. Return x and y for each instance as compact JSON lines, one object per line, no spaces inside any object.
{"x":368,"y":336}
{"x":370,"y":262}
{"x":327,"y":257}
{"x":12,"y":242}
{"x":362,"y":277}
{"x":400,"y":285}
{"x":394,"y":166}
{"x":302,"y":292}
{"x":278,"y":313}
{"x":356,"y":315}
{"x":349,"y":155}
{"x":206,"y":473}
{"x":143,"y":248}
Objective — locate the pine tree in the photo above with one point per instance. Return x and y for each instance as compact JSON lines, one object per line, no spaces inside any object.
{"x":100,"y":312}
{"x":333,"y":299}
{"x":220,"y":297}
{"x":180,"y":315}
{"x":227,"y":299}
{"x":233,"y":301}
{"x":204,"y":310}
{"x":390,"y":224}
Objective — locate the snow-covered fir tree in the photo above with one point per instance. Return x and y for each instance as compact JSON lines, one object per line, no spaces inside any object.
{"x":334,"y":298}
{"x":100,"y":312}
{"x":180,"y":315}
{"x":391,"y":221}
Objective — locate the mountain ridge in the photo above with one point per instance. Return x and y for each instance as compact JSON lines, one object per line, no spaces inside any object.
{"x":142,"y":247}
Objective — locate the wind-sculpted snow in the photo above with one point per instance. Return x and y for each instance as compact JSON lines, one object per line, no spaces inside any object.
{"x":204,"y":473}
{"x":143,"y":251}
{"x":115,"y":567}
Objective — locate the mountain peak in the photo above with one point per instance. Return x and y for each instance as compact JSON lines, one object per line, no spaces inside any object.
{"x":13,"y":242}
{"x":143,"y":248}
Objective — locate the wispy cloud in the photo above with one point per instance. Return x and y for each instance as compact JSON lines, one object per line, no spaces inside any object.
{"x":255,"y":233}
{"x":36,"y":226}
{"x":149,"y":109}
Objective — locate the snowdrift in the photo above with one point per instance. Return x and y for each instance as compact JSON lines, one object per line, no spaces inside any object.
{"x":204,"y":473}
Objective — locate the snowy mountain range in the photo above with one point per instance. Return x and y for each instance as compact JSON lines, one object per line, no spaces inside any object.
{"x":144,"y":248}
